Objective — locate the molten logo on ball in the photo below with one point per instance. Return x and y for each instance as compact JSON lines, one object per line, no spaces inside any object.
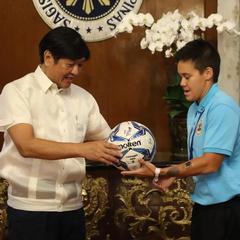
{"x":130,"y":144}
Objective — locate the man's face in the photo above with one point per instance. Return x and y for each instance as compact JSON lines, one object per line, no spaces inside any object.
{"x":194,"y":83}
{"x":62,"y":72}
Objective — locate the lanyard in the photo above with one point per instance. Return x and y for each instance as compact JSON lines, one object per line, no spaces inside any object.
{"x":192,"y":133}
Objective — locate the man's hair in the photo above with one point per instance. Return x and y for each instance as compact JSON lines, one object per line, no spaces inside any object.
{"x":203,"y":55}
{"x":63,"y":42}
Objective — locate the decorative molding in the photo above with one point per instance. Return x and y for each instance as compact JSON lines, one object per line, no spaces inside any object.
{"x":145,"y":210}
{"x":95,"y":200}
{"x":138,"y":208}
{"x":3,"y":200}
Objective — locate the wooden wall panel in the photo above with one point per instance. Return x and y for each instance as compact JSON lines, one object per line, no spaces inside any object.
{"x":127,"y":82}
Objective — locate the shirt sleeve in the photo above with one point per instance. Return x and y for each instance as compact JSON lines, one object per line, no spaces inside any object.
{"x":97,"y":128}
{"x":222,"y":130}
{"x":14,"y":108}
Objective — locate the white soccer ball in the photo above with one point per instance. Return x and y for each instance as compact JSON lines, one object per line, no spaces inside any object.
{"x":136,"y":142}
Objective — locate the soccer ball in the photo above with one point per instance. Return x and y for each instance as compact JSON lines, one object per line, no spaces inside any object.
{"x":136,"y":142}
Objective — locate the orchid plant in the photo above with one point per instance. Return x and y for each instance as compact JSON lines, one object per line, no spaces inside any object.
{"x":173,"y":30}
{"x":170,"y":33}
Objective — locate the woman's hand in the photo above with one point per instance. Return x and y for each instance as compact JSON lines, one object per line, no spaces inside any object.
{"x":164,"y":183}
{"x":147,"y":169}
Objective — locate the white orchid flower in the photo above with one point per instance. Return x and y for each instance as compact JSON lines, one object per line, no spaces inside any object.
{"x":133,"y":19}
{"x":175,"y":26}
{"x":194,"y":22}
{"x":138,"y":20}
{"x":176,"y":15}
{"x":172,"y":30}
{"x":215,"y":18}
{"x":152,"y":47}
{"x":124,"y":27}
{"x":155,"y":36}
{"x":180,"y":44}
{"x":209,"y":23}
{"x":128,"y":18}
{"x":169,"y":53}
{"x":226,"y":26}
{"x":202,"y":24}
{"x":185,"y":24}
{"x":148,"y":35}
{"x":143,"y":43}
{"x":154,"y":27}
{"x":148,"y":20}
{"x":159,"y":46}
{"x":187,"y":35}
{"x":229,"y":26}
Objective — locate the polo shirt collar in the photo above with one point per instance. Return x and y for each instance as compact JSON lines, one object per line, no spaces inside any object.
{"x":45,"y":83}
{"x":206,"y":99}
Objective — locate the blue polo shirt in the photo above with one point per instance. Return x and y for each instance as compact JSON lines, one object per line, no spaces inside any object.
{"x":214,"y":127}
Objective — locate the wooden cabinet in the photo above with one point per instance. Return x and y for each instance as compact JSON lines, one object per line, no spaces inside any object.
{"x":130,"y":208}
{"x":127,"y":208}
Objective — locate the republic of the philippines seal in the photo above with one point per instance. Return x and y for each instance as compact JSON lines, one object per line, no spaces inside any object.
{"x":93,"y":19}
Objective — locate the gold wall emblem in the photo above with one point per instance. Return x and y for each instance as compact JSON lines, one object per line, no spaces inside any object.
{"x":88,"y":5}
{"x":71,"y":2}
{"x":95,"y":20}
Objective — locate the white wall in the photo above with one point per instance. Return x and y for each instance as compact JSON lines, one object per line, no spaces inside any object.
{"x":229,"y":49}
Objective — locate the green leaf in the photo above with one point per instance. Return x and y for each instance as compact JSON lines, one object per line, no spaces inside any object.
{"x":175,"y":98}
{"x":175,"y":113}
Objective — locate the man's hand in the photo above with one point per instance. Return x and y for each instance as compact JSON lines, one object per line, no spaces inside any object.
{"x":31,"y":147}
{"x":101,"y":151}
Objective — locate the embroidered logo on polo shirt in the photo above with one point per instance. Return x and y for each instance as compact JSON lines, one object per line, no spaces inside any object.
{"x":199,"y":127}
{"x":93,"y":19}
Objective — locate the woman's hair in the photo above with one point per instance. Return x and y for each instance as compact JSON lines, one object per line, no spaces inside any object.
{"x":203,"y":55}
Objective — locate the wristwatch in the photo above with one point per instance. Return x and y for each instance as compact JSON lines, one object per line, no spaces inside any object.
{"x":156,"y":174}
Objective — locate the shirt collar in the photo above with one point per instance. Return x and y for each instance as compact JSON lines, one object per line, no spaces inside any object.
{"x":206,"y":99}
{"x":45,"y":83}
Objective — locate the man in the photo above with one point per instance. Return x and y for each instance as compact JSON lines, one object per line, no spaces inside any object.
{"x":213,"y":146}
{"x":50,"y":126}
